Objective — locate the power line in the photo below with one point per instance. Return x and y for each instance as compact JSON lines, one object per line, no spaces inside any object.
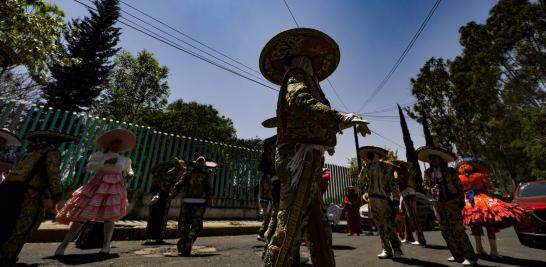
{"x":291,"y":14}
{"x":189,"y":37}
{"x":180,"y":48}
{"x":337,"y":95}
{"x":193,"y":46}
{"x":401,"y":58}
{"x":387,"y":108}
{"x":387,"y":139}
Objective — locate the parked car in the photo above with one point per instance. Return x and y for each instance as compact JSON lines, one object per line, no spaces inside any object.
{"x":531,"y":231}
{"x":424,"y":210}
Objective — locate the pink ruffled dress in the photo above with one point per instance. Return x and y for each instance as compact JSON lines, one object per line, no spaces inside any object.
{"x":104,"y":196}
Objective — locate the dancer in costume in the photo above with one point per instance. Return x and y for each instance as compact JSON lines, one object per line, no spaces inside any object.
{"x":442,"y":182}
{"x":165,"y":175}
{"x":482,"y":209}
{"x":379,"y":176}
{"x":104,"y":197}
{"x":33,"y":187}
{"x":195,"y":186}
{"x":7,"y":156}
{"x":352,"y":205}
{"x":408,"y":203}
{"x":297,"y":60}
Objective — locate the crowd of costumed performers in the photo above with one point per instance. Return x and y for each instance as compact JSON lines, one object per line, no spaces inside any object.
{"x":482,"y":209}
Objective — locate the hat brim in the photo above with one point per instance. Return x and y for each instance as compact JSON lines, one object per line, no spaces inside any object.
{"x":207,"y":163}
{"x":477,"y":164}
{"x":127,"y":138}
{"x":423,"y":154}
{"x":363,"y":151}
{"x":270,"y":123}
{"x":51,"y":135}
{"x":320,"y":48}
{"x":11,"y":138}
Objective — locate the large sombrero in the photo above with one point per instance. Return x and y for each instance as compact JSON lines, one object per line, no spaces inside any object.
{"x":398,"y":164}
{"x":476,"y":164}
{"x":316,"y":45}
{"x":363,"y":151}
{"x":11,"y":138}
{"x":201,"y":161}
{"x":423,"y":154}
{"x":270,"y":123}
{"x":127,"y":138}
{"x":50,"y":135}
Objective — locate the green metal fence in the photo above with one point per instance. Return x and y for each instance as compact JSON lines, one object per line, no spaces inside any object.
{"x":235,"y":178}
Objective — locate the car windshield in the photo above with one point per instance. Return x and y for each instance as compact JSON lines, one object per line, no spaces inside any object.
{"x":532,"y":190}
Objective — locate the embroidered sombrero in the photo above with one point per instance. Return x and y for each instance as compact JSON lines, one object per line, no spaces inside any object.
{"x":320,"y":48}
{"x":201,"y":161}
{"x":424,"y":152}
{"x":270,"y":123}
{"x":51,"y":135}
{"x":363,"y":151}
{"x":474,"y":163}
{"x":127,"y":138}
{"x":11,"y":138}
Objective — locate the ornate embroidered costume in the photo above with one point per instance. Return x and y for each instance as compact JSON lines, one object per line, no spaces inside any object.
{"x":33,"y":187}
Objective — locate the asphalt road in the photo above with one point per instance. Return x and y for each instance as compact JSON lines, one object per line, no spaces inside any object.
{"x":245,"y":251}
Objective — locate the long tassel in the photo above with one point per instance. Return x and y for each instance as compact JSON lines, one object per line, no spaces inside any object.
{"x":295,"y":166}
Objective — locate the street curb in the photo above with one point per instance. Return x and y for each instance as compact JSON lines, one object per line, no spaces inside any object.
{"x":139,"y":233}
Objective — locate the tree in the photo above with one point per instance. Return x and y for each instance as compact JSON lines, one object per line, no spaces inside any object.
{"x":136,"y":85}
{"x":494,"y":93}
{"x":411,"y":155}
{"x":432,"y":88}
{"x":91,"y":42}
{"x":19,"y":86}
{"x":192,"y":119}
{"x":31,"y":29}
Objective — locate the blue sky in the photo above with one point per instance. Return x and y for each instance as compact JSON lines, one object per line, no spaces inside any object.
{"x":371,"y":35}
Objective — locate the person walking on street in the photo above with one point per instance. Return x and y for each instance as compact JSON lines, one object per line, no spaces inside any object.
{"x":196,"y":188}
{"x":33,"y":187}
{"x":165,"y":175}
{"x":104,"y":197}
{"x":297,"y":60}
{"x":379,"y":176}
{"x":444,"y":185}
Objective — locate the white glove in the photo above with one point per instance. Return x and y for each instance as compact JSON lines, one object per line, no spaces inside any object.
{"x":350,"y":119}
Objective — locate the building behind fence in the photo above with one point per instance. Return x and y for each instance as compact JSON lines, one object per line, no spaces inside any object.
{"x":234,"y":180}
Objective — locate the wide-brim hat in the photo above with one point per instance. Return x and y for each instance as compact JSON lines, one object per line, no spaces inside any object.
{"x":363,"y":151}
{"x":400,"y":163}
{"x":320,"y":48}
{"x":51,"y":135}
{"x":201,"y":161}
{"x":11,"y":138}
{"x":423,"y":154}
{"x":477,"y":164}
{"x":127,"y":138}
{"x":270,"y":123}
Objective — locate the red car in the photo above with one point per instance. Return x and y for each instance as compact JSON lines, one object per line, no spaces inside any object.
{"x":531,"y":196}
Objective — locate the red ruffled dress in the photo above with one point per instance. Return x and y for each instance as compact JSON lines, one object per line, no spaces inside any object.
{"x":481,"y":208}
{"x":104,"y":197}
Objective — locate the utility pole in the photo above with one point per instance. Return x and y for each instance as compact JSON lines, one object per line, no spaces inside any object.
{"x":359,"y":162}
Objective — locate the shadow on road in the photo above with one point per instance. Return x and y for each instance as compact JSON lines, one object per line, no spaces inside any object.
{"x":342,"y":247}
{"x":417,"y":262}
{"x":26,"y":265}
{"x":436,"y":247}
{"x":515,"y":261}
{"x":78,"y":259}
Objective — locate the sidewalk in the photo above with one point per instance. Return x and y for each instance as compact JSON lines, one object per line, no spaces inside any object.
{"x":50,"y":231}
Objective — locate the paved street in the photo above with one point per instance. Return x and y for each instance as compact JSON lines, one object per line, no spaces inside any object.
{"x":245,"y":251}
